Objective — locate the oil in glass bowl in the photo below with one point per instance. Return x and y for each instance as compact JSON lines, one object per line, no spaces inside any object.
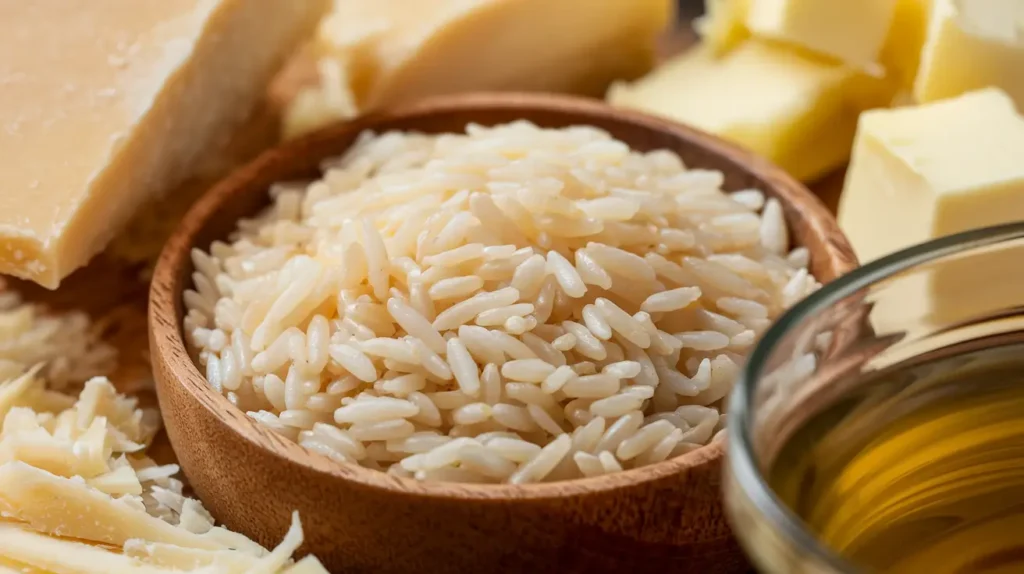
{"x":919,"y":471}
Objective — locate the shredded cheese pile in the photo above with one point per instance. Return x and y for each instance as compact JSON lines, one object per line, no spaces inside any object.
{"x":77,"y":491}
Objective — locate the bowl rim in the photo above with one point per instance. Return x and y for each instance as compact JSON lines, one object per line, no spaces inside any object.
{"x":743,"y":463}
{"x":165,"y":312}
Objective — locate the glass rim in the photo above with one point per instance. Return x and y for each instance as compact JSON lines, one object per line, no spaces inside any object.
{"x":740,"y":455}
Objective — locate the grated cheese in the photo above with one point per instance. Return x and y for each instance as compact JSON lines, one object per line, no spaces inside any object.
{"x":78,"y":495}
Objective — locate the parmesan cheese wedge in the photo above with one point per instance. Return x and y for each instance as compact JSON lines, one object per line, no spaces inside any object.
{"x":382,"y":53}
{"x":399,"y":50}
{"x":106,"y":103}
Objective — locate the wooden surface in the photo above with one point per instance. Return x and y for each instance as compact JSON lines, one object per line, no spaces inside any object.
{"x":668,"y":513}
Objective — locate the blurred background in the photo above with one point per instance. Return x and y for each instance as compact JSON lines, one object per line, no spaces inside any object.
{"x":689,"y":9}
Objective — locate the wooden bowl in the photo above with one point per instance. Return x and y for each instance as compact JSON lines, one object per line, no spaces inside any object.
{"x":665,"y":517}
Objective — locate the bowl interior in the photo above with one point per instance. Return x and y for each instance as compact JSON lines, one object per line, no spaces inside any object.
{"x":244,"y":193}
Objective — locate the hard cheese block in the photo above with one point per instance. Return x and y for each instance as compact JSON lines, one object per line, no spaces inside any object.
{"x":853,"y":32}
{"x":929,"y":171}
{"x":932,"y":170}
{"x":973,"y":44}
{"x":105,"y":103}
{"x":392,"y":51}
{"x":797,"y":111}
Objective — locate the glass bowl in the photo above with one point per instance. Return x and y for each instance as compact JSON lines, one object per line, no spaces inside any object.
{"x":925,"y":307}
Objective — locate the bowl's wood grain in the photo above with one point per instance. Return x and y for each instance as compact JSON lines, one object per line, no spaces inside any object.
{"x":665,"y":517}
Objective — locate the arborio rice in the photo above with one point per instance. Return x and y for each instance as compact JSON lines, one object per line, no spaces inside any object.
{"x":512,"y":304}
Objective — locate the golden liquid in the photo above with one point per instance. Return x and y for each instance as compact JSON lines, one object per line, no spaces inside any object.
{"x":921,"y":472}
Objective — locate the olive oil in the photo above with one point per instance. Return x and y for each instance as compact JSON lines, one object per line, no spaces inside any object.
{"x":919,"y":471}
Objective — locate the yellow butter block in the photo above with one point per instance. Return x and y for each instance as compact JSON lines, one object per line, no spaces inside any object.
{"x":106,"y":103}
{"x":923,"y":172}
{"x":797,"y":111}
{"x":973,"y":44}
{"x":901,"y":54}
{"x":398,"y":50}
{"x":852,"y":31}
{"x":723,"y":25}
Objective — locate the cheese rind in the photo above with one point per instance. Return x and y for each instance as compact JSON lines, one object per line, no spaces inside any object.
{"x":972,"y":45}
{"x":803,"y":115}
{"x":105,"y":109}
{"x":853,"y":32}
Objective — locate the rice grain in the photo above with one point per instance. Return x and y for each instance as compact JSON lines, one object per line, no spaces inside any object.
{"x":541,"y":465}
{"x":464,"y":368}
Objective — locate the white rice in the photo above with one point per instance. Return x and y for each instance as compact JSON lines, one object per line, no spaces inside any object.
{"x":455,"y":287}
{"x":528,"y":370}
{"x":513,"y":304}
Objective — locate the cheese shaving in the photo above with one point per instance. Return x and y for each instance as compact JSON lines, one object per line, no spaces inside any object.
{"x":68,"y":345}
{"x":78,"y":493}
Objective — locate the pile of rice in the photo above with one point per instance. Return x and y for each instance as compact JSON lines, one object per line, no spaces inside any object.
{"x":512,"y":304}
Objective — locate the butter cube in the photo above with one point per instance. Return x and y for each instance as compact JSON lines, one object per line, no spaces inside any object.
{"x":901,"y":54}
{"x":973,"y":44}
{"x":928,"y":171}
{"x":396,"y":51}
{"x":106,"y":103}
{"x":723,"y":25}
{"x":852,"y":31}
{"x":797,"y":111}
